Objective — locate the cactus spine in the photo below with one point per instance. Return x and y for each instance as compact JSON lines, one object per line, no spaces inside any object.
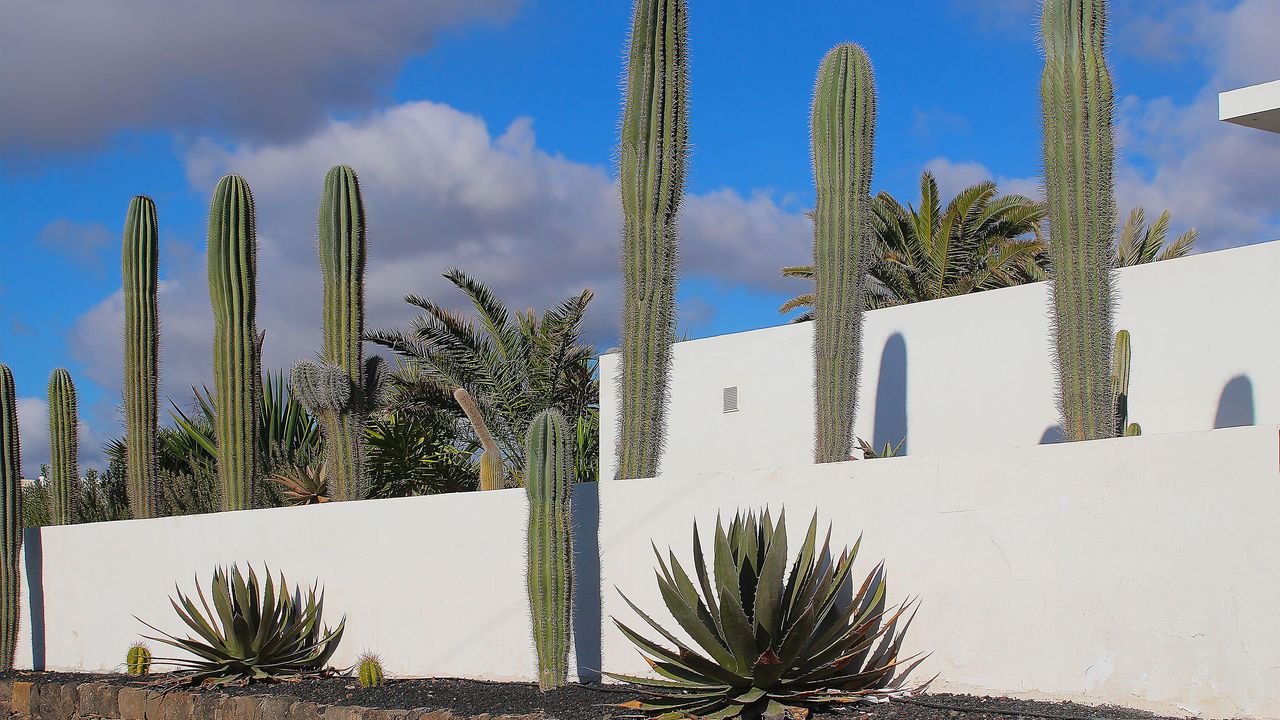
{"x":548,"y":485}
{"x":11,"y":516}
{"x":140,"y":256}
{"x":651,"y":164}
{"x":1120,"y":359}
{"x":1077,"y":98}
{"x":491,"y":465}
{"x":369,"y":670}
{"x":844,"y":126}
{"x":138,"y":659}
{"x":233,"y":259}
{"x":343,"y":396}
{"x":64,"y":470}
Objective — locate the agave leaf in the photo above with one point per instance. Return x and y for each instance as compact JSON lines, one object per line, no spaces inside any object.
{"x":684,"y":658}
{"x":769,"y":595}
{"x":688,"y":618}
{"x":700,"y":569}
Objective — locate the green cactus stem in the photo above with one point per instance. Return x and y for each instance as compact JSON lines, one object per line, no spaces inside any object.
{"x":11,"y":517}
{"x":844,"y":126}
{"x":1121,"y":356}
{"x":651,"y":162}
{"x":369,"y":670}
{"x":140,"y":256}
{"x":1077,"y":101}
{"x":492,"y":467}
{"x":138,"y":659}
{"x":232,"y":261}
{"x":342,"y":410}
{"x":64,"y":468}
{"x":548,"y":485}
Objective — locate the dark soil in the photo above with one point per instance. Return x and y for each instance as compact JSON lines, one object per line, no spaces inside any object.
{"x":594,"y":702}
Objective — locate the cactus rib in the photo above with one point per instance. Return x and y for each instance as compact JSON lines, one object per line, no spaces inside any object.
{"x":651,"y":162}
{"x":233,"y":251}
{"x":140,"y":253}
{"x":844,"y":123}
{"x":548,"y":486}
{"x":11,"y":517}
{"x":1077,"y":101}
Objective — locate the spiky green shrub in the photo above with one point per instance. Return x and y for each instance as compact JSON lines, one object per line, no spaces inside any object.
{"x":844,"y":126}
{"x":11,"y":519}
{"x":233,"y":271}
{"x":548,"y":485}
{"x":1121,"y":357}
{"x":1076,"y":99}
{"x":651,"y":163}
{"x":140,"y":257}
{"x":369,"y":670}
{"x":770,"y":643}
{"x":138,"y":660}
{"x":342,"y":388}
{"x":254,"y":631}
{"x":64,"y":466}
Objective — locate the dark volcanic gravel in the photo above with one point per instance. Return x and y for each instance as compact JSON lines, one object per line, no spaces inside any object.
{"x":592,"y":702}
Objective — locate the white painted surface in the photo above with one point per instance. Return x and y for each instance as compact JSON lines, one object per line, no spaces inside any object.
{"x":1138,"y":571}
{"x":1256,"y":106}
{"x":976,"y":371}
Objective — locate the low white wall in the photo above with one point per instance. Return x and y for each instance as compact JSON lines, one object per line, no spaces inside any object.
{"x":976,"y":371}
{"x":1139,"y":571}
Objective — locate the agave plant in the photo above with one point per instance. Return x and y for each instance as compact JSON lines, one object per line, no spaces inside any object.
{"x":253,"y":632}
{"x":303,"y":484}
{"x":772,"y":646}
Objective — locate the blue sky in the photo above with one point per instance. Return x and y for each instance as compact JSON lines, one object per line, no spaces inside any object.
{"x":484,"y":132}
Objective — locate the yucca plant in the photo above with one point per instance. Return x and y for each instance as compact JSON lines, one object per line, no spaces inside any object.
{"x":253,"y":632}
{"x":772,"y":645}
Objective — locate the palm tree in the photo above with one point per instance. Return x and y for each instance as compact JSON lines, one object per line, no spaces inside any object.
{"x":980,"y":241}
{"x":1141,"y":244}
{"x":514,"y":364}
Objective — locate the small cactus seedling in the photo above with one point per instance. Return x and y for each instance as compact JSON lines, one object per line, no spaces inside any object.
{"x":138,"y":659}
{"x":369,"y":670}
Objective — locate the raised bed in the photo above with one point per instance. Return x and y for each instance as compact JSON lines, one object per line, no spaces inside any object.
{"x":74,"y":696}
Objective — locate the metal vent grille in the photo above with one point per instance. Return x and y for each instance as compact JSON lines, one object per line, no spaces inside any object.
{"x":731,"y":399}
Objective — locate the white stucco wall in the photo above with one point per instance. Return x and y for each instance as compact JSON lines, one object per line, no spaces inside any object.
{"x":976,"y":371}
{"x":1138,"y":571}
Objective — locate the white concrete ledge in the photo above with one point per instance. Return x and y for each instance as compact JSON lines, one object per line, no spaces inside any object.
{"x":1256,"y":106}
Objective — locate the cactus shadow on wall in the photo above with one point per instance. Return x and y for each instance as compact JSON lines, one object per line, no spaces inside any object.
{"x":1052,"y":435}
{"x":585,"y":519}
{"x":33,"y":564}
{"x":891,"y":395}
{"x":1235,"y":404}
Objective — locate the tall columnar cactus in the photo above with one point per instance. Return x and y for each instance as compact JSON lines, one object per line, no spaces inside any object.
{"x":550,"y":544}
{"x":1120,"y":360}
{"x":347,"y":389}
{"x":140,"y":256}
{"x":11,"y":517}
{"x":1076,"y":99}
{"x":233,"y":260}
{"x":651,"y":164}
{"x":492,"y":468}
{"x":844,"y":128}
{"x":64,"y":467}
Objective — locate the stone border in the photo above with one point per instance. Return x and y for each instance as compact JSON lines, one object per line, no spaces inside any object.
{"x":22,"y":700}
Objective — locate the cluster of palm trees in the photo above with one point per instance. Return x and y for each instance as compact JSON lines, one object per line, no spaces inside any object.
{"x":981,"y":240}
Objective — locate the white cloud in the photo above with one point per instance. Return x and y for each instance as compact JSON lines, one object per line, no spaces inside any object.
{"x":75,"y":73}
{"x":440,"y":191}
{"x":33,"y":433}
{"x":955,"y":176}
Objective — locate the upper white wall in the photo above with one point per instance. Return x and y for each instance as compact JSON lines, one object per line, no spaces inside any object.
{"x":976,"y":371}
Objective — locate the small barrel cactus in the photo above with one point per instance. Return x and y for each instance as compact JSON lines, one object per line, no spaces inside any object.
{"x":138,"y":659}
{"x":369,"y":670}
